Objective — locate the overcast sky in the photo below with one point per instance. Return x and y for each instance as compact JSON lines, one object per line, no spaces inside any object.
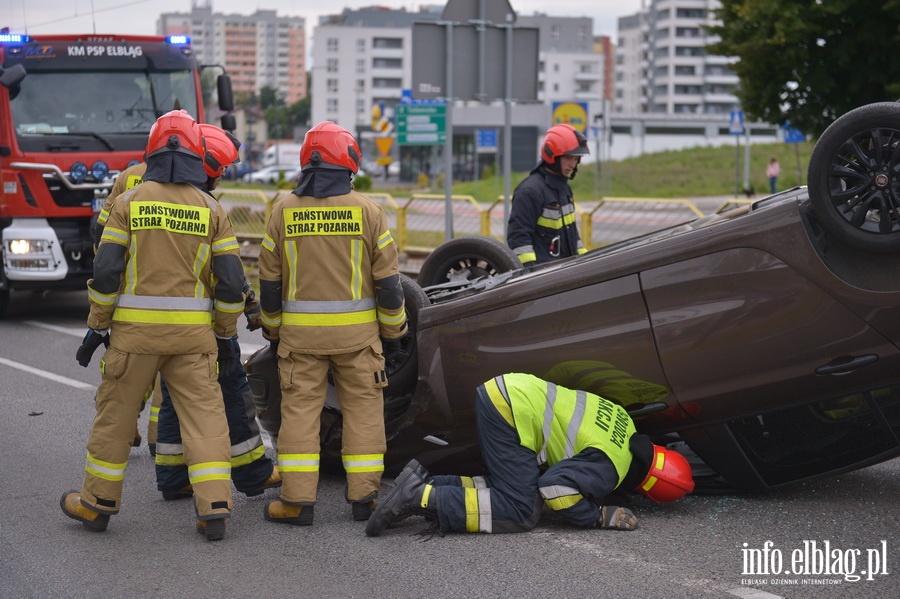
{"x":139,"y":16}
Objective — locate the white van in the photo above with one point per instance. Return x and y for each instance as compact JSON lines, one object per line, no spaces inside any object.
{"x":282,"y":153}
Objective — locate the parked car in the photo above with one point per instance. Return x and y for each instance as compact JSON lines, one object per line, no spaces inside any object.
{"x":758,"y":342}
{"x":274,"y":173}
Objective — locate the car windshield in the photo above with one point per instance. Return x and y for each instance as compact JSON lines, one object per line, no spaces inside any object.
{"x":98,"y":103}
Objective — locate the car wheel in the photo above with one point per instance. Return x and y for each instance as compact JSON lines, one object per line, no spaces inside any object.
{"x":466,"y":258}
{"x":854,"y":178}
{"x":402,"y":367}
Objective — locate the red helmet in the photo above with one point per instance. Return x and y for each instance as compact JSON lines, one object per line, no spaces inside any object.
{"x":221,"y":150}
{"x":175,"y":131}
{"x":328,"y":145}
{"x":669,"y":477}
{"x":563,"y":140}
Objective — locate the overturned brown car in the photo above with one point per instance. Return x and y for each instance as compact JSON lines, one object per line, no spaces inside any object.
{"x":763,"y":342}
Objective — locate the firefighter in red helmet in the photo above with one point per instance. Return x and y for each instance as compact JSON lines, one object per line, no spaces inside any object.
{"x":331,"y":301}
{"x":541,"y":444}
{"x":167,"y":283}
{"x":542,"y":225}
{"x":252,"y":471}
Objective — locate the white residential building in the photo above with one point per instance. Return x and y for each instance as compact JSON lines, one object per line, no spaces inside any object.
{"x":258,"y":50}
{"x":662,"y":66}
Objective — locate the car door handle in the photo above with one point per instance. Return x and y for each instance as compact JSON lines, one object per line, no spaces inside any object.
{"x":846,"y":365}
{"x":647,"y":410}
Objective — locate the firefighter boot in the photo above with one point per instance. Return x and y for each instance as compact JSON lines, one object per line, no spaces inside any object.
{"x":409,"y":496}
{"x":137,"y":438}
{"x":273,"y":481}
{"x":213,"y":529}
{"x":362,"y":509}
{"x":283,"y":513}
{"x":72,"y":507}
{"x":184,"y":492}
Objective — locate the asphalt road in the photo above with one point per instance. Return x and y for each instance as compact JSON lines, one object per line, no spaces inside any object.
{"x":698,"y":547}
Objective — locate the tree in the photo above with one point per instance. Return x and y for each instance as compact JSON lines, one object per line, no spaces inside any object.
{"x":808,"y":62}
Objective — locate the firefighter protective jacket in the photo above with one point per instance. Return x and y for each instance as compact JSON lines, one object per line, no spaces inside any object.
{"x":329,"y":276}
{"x":167,"y":272}
{"x":542,"y":224}
{"x":586,"y":441}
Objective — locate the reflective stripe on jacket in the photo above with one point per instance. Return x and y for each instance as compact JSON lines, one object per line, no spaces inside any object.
{"x":329,"y":274}
{"x":175,"y":275}
{"x":558,"y":423}
{"x":542,"y":223}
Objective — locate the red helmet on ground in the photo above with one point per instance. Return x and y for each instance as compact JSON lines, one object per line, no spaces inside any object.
{"x":175,"y":131}
{"x":328,"y":145}
{"x":221,"y":150}
{"x":563,"y":140}
{"x":669,"y":477}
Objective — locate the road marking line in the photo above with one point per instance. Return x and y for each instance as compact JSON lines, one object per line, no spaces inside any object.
{"x":56,"y":329}
{"x":47,"y":375}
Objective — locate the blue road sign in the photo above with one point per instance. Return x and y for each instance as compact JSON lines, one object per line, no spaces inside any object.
{"x":736,"y":122}
{"x":792,"y":135}
{"x":486,"y":140}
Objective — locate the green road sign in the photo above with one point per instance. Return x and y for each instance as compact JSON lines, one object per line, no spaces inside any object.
{"x":421,"y":124}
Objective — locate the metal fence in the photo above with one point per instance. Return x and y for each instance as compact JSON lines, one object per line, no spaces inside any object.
{"x":418,"y":222}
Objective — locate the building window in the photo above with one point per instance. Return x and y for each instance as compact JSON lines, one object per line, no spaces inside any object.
{"x":395,"y":43}
{"x":331,"y":105}
{"x":361,"y":45}
{"x":361,"y":65}
{"x":387,"y":63}
{"x":685,"y":70}
{"x":360,"y":86}
{"x":332,"y":44}
{"x":331,"y":65}
{"x":332,"y":85}
{"x":387,"y":82}
{"x":554,"y":33}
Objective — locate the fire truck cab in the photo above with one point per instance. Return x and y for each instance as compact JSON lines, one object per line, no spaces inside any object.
{"x":75,"y":110}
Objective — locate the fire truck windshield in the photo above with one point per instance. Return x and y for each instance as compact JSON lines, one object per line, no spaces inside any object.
{"x":102,"y":103}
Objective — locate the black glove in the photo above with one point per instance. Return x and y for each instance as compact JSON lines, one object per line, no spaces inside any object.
{"x":390,"y":347}
{"x":251,"y":311}
{"x":228,"y":357}
{"x":89,"y":345}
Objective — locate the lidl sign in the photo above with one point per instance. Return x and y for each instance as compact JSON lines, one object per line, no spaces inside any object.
{"x":572,"y":113}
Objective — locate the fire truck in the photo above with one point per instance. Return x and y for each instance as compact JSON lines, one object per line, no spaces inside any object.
{"x":75,"y":110}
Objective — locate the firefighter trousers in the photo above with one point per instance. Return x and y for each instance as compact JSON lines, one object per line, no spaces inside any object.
{"x":358,"y":380}
{"x":508,"y":499}
{"x":197,"y":397}
{"x":250,"y":466}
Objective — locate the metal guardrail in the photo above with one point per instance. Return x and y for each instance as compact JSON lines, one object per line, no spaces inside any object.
{"x":418,"y":222}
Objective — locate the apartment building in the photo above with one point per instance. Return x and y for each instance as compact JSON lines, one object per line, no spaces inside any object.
{"x":258,"y":50}
{"x":662,"y":66}
{"x":364,"y":57}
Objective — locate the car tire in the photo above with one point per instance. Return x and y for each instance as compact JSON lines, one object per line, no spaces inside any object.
{"x":402,"y":368}
{"x":466,"y":258}
{"x":854,"y":178}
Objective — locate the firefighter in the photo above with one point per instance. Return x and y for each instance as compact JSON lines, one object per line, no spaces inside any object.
{"x":166,"y":293}
{"x":331,"y":299}
{"x":542,"y":225}
{"x":128,"y":178}
{"x":252,"y":471}
{"x":541,"y":444}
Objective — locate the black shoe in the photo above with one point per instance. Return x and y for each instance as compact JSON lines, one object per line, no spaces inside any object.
{"x":403,"y":501}
{"x":185,"y":492}
{"x":362,"y":510}
{"x":214,"y":529}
